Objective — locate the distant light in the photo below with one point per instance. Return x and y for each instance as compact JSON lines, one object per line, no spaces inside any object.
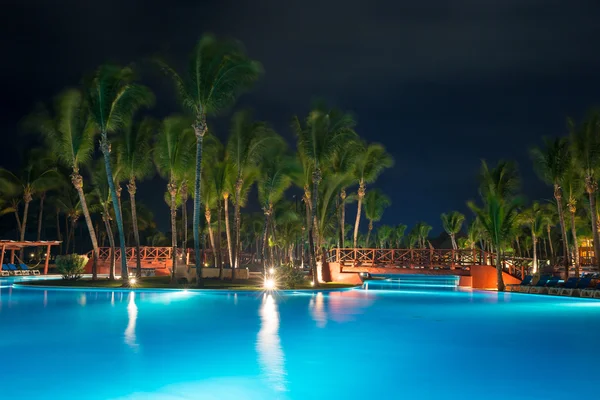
{"x":45,"y":254}
{"x":312,"y":283}
{"x":271,"y":270}
{"x":206,"y":264}
{"x":269,"y":284}
{"x":132,"y":281}
{"x":31,"y":255}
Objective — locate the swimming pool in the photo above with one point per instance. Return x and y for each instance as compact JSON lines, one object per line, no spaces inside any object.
{"x":380,"y":343}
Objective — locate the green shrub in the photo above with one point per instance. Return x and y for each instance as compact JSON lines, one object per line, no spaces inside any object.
{"x":289,"y":277}
{"x":71,"y":266}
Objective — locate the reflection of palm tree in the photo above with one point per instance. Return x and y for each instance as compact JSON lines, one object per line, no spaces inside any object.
{"x":268,"y":345}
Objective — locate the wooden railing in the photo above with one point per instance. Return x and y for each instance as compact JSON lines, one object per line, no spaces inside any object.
{"x":163,"y":256}
{"x":427,"y":258}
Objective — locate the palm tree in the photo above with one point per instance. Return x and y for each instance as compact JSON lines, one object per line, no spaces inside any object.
{"x":549,"y":216}
{"x":586,"y":152}
{"x":423,"y":229}
{"x":101,"y":200}
{"x":452,"y":224}
{"x":573,"y":186}
{"x":69,"y":203}
{"x":172,"y":156}
{"x":277,"y":171}
{"x":551,"y":165}
{"x":498,"y":219}
{"x":112,"y":98}
{"x":247,"y":143}
{"x":343,"y":163}
{"x":219,"y":71}
{"x":533,"y":219}
{"x":135,"y":158}
{"x":33,"y":181}
{"x":398,"y":235}
{"x":384,"y":234}
{"x":474,"y":234}
{"x":375,"y":204}
{"x":323,"y":133}
{"x":369,"y":164}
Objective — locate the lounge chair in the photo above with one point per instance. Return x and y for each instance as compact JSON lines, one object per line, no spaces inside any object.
{"x":540,"y":283}
{"x":25,"y":271}
{"x":5,"y":271}
{"x":540,"y":289}
{"x":24,"y":267}
{"x":591,"y":292}
{"x":13,"y":268}
{"x":571,"y":283}
{"x":583,"y":283}
{"x":516,"y":287}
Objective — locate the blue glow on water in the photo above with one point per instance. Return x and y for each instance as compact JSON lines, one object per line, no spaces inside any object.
{"x":384,"y":343}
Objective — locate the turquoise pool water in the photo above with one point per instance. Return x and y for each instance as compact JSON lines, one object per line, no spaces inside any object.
{"x":391,"y":341}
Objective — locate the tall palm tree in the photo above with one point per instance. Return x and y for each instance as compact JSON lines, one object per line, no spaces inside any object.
{"x":372,"y":159}
{"x":452,"y":224}
{"x":100,"y":201}
{"x":549,"y":217}
{"x":219,"y":71}
{"x":277,"y":171}
{"x":322,"y":134}
{"x":135,"y":157}
{"x":398,"y":235}
{"x":498,"y":219}
{"x":172,"y":156}
{"x":586,"y":152}
{"x":112,"y":97}
{"x":375,"y":204}
{"x":551,"y":164}
{"x":248,"y":140}
{"x":343,"y":163}
{"x":573,"y":187}
{"x":423,"y":229}
{"x":533,"y":219}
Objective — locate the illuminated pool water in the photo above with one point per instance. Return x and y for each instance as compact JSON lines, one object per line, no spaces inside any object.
{"x":428,"y":343}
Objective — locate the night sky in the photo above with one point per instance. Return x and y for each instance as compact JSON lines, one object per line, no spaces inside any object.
{"x":442,"y":84}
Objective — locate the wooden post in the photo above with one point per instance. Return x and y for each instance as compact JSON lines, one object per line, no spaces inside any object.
{"x":12,"y":256}
{"x":2,"y":256}
{"x":47,"y":259}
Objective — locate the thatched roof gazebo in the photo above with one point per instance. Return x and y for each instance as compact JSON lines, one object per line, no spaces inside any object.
{"x":13,"y":245}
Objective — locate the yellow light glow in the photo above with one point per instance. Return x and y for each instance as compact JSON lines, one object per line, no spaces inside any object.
{"x":132,"y":281}
{"x":312,"y":283}
{"x":271,"y":270}
{"x":270,"y":284}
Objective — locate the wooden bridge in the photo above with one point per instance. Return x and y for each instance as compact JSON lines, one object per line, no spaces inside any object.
{"x":159,"y":258}
{"x":441,"y":260}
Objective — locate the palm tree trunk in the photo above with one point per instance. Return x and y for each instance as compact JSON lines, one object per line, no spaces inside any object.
{"x":111,"y":242}
{"x":19,"y":229}
{"x":313,"y":227}
{"x":227,"y":231}
{"x":369,"y":234}
{"x":104,"y":145}
{"x":131,"y":188}
{"x":361,"y":195}
{"x":77,"y":181}
{"x":172,"y":188}
{"x":343,"y":219}
{"x":575,"y":249}
{"x":548,"y":229}
{"x":219,"y":255}
{"x":58,"y":234}
{"x":561,"y":216}
{"x":41,"y":216}
{"x":27,"y":200}
{"x":534,"y":240}
{"x":453,"y":239}
{"x":199,"y":130}
{"x":185,"y":223}
{"x":238,"y":193}
{"x":594,"y":216}
{"x":73,"y":224}
{"x":500,"y":279}
{"x":207,"y":215}
{"x":67,"y":234}
{"x":518,"y":246}
{"x":263,"y":254}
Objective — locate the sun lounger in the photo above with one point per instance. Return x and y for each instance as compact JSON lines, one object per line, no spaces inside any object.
{"x":583,"y":283}
{"x":552,"y":282}
{"x":515,"y":287}
{"x":24,"y":267}
{"x":540,"y":283}
{"x":571,"y":283}
{"x":14,"y":270}
{"x":25,"y":271}
{"x":591,"y":292}
{"x":5,"y":271}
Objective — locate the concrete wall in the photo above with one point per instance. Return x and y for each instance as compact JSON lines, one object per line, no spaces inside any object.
{"x":484,"y":277}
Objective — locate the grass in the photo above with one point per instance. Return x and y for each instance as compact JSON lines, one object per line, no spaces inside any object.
{"x":163,"y":282}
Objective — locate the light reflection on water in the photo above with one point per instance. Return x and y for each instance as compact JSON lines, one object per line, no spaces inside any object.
{"x":132,"y":313}
{"x":268,"y":345}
